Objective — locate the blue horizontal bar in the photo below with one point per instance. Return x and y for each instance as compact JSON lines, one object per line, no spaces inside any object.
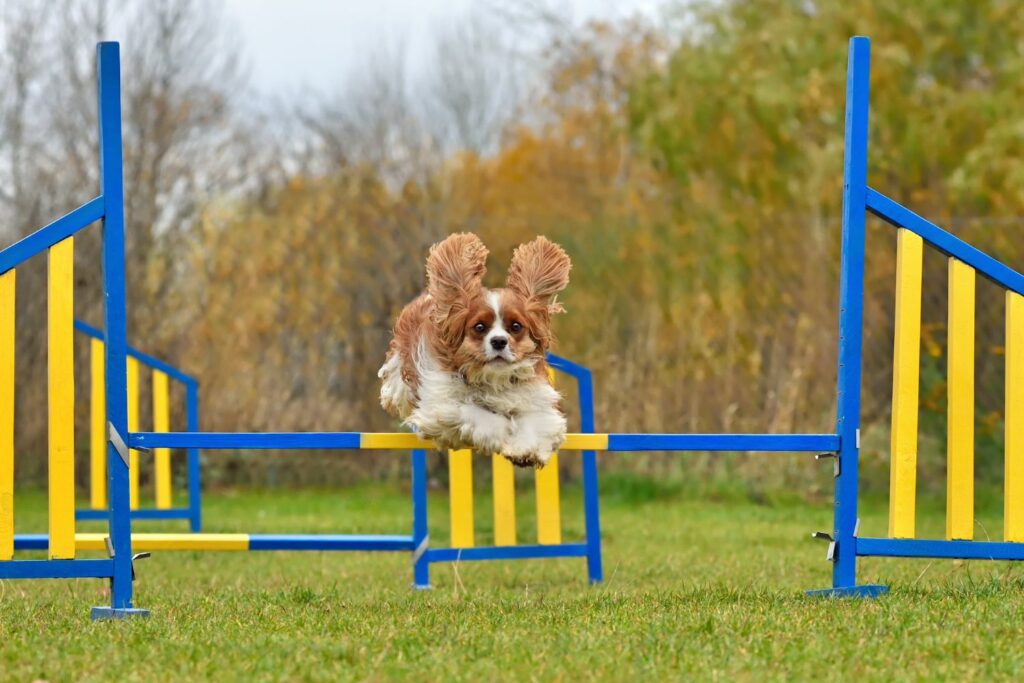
{"x":151,"y":361}
{"x":245,"y":440}
{"x":146,"y":513}
{"x":506,"y":552}
{"x":816,"y":443}
{"x":57,"y":231}
{"x":902,"y":217}
{"x":963,"y":550}
{"x":328,"y":542}
{"x":31,"y":542}
{"x":56,"y":569}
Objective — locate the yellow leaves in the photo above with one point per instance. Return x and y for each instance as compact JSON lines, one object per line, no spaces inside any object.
{"x":933,"y":335}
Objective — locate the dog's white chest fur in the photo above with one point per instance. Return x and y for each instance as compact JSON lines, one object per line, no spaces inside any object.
{"x":509,"y":410}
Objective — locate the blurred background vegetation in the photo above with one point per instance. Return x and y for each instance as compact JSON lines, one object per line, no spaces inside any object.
{"x":691,"y":166}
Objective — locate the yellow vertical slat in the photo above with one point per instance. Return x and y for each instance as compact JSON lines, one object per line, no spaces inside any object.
{"x":549,"y":505}
{"x":7,"y":281}
{"x":504,"y":500}
{"x":460,"y":484}
{"x":1013,"y":504}
{"x":162,"y":456}
{"x":960,"y":406}
{"x":133,"y":426}
{"x":61,"y":393}
{"x":97,"y":428}
{"x":905,"y":386}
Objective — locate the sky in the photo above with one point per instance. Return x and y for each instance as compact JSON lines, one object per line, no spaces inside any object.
{"x":292,"y":44}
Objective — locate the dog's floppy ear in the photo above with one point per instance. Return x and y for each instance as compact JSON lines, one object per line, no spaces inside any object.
{"x":539,"y":271}
{"x":455,"y":272}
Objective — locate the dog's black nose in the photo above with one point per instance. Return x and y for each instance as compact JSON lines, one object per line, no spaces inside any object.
{"x":498,"y":343}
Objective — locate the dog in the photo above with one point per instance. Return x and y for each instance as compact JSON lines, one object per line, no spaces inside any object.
{"x":466,"y":365}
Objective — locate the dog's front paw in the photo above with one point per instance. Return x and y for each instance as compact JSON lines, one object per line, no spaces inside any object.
{"x":527,"y":453}
{"x":525,"y":460}
{"x":534,"y":437}
{"x":485,"y":430}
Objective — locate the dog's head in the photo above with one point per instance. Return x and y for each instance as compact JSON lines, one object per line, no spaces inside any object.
{"x":488,"y":334}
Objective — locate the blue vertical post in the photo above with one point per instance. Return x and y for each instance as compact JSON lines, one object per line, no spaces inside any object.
{"x":420,"y":537}
{"x":195,"y":509}
{"x":116,"y":332}
{"x":591,"y":502}
{"x":851,"y":320}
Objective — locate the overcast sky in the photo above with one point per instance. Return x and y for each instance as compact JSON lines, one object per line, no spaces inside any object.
{"x":316,"y":43}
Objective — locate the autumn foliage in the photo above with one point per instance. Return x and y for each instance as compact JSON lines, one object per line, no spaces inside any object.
{"x":693,"y":172}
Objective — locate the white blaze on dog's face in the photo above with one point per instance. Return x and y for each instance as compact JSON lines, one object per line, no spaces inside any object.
{"x":498,"y":330}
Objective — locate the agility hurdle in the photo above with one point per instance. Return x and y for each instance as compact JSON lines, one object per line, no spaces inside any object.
{"x":549,"y":526}
{"x":549,"y":539}
{"x":161,"y":373}
{"x":549,"y":543}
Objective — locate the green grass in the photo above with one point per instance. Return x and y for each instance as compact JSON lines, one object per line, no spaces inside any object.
{"x":694,"y":588}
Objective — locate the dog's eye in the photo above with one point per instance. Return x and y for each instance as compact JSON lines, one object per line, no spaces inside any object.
{"x":480,"y":327}
{"x":516,"y":326}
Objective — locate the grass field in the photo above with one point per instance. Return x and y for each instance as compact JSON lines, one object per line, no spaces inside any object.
{"x":696,"y":587}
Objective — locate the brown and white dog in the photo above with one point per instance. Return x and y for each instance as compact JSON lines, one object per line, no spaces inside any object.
{"x":466,"y":365}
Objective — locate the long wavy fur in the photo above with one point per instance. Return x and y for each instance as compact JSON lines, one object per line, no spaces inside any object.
{"x":539,"y":271}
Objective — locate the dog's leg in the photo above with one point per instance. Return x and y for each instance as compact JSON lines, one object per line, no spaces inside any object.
{"x":438,"y":422}
{"x":461,"y":425}
{"x":485,"y":430}
{"x":535,"y":436}
{"x":395,"y":395}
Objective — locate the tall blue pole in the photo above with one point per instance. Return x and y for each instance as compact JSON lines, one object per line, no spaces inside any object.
{"x":115,"y":318}
{"x":851,"y":320}
{"x":195,"y":509}
{"x":591,"y":502}
{"x":420,"y":537}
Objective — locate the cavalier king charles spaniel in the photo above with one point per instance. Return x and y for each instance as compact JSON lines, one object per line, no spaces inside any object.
{"x":466,"y":365}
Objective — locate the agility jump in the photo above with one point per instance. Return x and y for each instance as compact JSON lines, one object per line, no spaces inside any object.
{"x":843,"y":444}
{"x":460,"y":468}
{"x":506,"y":545}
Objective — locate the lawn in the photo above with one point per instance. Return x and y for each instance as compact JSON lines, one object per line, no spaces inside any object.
{"x":696,"y":586}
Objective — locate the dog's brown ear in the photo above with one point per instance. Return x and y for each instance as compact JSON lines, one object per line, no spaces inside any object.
{"x":455,"y":272}
{"x":539,"y":271}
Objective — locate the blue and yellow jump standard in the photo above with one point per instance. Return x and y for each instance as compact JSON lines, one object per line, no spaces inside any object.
{"x":57,"y":239}
{"x":965,"y":262}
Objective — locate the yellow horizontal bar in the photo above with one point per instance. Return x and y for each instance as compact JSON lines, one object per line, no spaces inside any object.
{"x":169,"y":541}
{"x":408,"y":440}
{"x":584,"y":442}
{"x":393,"y":440}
